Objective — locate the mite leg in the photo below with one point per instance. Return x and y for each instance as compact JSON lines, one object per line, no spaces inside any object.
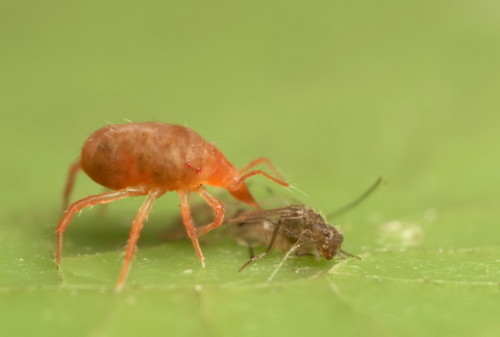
{"x":133,"y":237}
{"x":265,"y":161}
{"x":217,"y":207}
{"x":103,"y":208}
{"x":187,"y":220}
{"x":70,"y":182}
{"x":240,"y":191}
{"x":256,"y":172}
{"x":88,"y":202}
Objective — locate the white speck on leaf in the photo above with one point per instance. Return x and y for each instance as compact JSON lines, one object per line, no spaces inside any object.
{"x":397,"y":234}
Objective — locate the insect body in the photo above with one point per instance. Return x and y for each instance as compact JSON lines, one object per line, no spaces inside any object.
{"x":293,"y":227}
{"x":151,"y":159}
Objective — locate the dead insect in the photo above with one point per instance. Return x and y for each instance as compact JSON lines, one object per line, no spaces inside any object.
{"x":150,"y":159}
{"x":294,"y":228}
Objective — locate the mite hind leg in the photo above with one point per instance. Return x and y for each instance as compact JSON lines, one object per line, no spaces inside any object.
{"x":70,"y":182}
{"x":89,"y":201}
{"x":134,"y":235}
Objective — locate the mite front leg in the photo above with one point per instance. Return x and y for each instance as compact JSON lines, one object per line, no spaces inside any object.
{"x":187,"y":220}
{"x":244,"y":176}
{"x":265,"y":161}
{"x":216,"y":206}
{"x":256,"y":172}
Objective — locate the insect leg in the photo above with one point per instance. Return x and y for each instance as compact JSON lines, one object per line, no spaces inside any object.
{"x":88,"y":202}
{"x":262,"y":160}
{"x":70,"y":182}
{"x":343,"y":252}
{"x":294,"y":247}
{"x":217,"y":207}
{"x":135,"y":232}
{"x":268,"y":249}
{"x":252,"y":260}
{"x":187,"y":220}
{"x":251,"y":252}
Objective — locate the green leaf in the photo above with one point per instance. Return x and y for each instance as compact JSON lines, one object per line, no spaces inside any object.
{"x":336,"y":94}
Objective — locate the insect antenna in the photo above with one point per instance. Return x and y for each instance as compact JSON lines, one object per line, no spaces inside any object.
{"x":357,"y":201}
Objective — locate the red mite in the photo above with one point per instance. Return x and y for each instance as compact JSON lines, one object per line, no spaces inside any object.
{"x":151,"y":159}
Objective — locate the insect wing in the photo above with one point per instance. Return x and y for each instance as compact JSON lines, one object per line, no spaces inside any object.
{"x":289,"y":212}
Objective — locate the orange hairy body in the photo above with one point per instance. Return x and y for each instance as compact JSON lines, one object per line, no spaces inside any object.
{"x":166,"y":156}
{"x":151,"y":159}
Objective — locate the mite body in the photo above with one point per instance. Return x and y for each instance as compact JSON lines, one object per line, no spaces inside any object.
{"x":151,"y":159}
{"x":293,"y":227}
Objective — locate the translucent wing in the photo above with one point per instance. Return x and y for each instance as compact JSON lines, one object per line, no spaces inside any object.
{"x":284,"y":213}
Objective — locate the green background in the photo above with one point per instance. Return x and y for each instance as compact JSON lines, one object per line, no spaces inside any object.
{"x":335,"y":92}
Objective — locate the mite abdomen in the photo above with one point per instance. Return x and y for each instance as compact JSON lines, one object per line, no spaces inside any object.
{"x":153,"y":154}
